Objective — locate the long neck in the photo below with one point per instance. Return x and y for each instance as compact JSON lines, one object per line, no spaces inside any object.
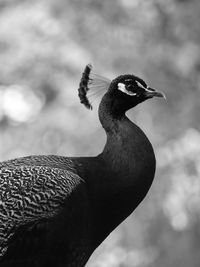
{"x":127,"y":152}
{"x":124,"y":171}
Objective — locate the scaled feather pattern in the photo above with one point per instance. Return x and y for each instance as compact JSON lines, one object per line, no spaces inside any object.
{"x":31,"y":189}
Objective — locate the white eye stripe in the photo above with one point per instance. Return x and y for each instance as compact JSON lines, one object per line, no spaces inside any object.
{"x":122,"y":88}
{"x":140,"y":85}
{"x":148,"y":89}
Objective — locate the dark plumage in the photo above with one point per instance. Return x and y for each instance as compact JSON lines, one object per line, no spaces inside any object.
{"x":55,"y":211}
{"x":83,"y":87}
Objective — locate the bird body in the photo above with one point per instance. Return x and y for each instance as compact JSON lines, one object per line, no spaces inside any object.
{"x":55,"y":211}
{"x":35,"y":194}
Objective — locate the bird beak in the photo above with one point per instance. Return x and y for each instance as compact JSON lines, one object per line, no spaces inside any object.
{"x":150,"y":92}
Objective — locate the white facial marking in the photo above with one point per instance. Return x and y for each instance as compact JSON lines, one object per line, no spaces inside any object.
{"x":140,"y":85}
{"x":122,"y":88}
{"x":148,"y":89}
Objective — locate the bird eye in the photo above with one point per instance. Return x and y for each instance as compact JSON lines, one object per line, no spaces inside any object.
{"x":129,"y":86}
{"x":122,"y":88}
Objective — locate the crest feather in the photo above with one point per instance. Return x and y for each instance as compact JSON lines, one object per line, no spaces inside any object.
{"x":91,"y":84}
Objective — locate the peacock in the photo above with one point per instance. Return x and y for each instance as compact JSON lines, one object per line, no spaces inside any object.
{"x":56,"y":210}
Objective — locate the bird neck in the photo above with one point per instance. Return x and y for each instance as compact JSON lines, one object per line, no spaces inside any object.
{"x":123,"y":172}
{"x":110,"y":112}
{"x":127,"y":151}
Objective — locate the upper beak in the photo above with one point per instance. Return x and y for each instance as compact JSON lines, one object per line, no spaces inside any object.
{"x":150,"y":92}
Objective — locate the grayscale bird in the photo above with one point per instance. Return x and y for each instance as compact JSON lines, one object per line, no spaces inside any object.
{"x":55,"y":210}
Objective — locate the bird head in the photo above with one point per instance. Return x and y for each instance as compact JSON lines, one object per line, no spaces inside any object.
{"x":124,"y":92}
{"x":129,"y":90}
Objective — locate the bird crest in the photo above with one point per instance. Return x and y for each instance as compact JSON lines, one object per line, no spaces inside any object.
{"x":91,"y":84}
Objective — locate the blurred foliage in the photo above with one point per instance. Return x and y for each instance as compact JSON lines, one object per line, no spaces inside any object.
{"x":44,"y":46}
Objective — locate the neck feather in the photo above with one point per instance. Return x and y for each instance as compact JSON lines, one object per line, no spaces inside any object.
{"x":123,"y":172}
{"x":110,"y":113}
{"x":129,"y":169}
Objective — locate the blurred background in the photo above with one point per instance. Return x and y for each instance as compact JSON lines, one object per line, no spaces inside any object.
{"x":44,"y":46}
